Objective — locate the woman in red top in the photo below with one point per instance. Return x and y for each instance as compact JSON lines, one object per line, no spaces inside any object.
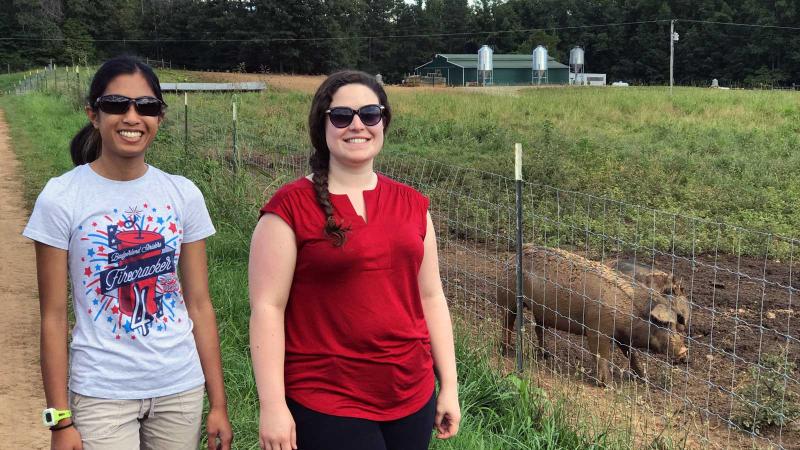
{"x":349,"y":319}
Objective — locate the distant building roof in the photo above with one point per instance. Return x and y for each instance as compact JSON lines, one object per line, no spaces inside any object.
{"x":500,"y":61}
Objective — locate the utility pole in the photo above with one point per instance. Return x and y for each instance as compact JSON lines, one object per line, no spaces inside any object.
{"x":673,"y":37}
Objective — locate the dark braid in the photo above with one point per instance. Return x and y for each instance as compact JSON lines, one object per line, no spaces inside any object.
{"x":320,"y":178}
{"x":320,"y":156}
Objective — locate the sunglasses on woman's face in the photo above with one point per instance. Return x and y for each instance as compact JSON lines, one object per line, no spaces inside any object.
{"x":342,"y":116}
{"x":119,"y":104}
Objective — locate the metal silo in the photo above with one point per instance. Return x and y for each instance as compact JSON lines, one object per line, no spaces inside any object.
{"x":576,"y":65}
{"x":485,"y":66}
{"x":539,"y":72}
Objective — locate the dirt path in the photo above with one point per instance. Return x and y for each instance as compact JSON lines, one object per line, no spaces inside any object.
{"x":21,"y":395}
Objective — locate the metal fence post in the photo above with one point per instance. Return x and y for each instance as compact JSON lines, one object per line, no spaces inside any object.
{"x":235,"y":149}
{"x":78,"y":83}
{"x":520,"y":293}
{"x":186,"y":122}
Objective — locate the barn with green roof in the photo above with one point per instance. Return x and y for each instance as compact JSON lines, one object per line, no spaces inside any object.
{"x":461,"y":69}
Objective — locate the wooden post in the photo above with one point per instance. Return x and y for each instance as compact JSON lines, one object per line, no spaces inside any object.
{"x":520,"y":293}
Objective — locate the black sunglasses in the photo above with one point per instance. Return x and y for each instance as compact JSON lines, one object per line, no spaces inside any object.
{"x":342,"y":116}
{"x":120,"y":104}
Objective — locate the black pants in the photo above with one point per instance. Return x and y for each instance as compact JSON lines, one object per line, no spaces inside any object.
{"x":317,"y":431}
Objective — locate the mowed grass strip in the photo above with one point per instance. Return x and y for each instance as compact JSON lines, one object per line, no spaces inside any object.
{"x":499,"y":411}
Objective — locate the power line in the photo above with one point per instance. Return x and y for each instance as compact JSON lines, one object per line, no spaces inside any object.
{"x":750,"y":25}
{"x":398,"y":36}
{"x":340,"y":38}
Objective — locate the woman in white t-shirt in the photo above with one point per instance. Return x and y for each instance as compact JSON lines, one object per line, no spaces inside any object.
{"x":145,"y":341}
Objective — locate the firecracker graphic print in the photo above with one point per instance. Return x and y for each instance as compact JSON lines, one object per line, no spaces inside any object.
{"x":130,"y":269}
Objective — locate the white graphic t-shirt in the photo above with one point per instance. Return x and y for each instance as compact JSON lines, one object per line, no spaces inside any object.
{"x":133,"y":336}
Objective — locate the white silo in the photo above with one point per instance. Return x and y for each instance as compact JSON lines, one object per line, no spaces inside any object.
{"x":539,"y":67}
{"x":577,"y":66}
{"x":485,"y":66}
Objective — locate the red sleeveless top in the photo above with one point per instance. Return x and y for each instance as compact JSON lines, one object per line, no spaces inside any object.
{"x":357,"y":344}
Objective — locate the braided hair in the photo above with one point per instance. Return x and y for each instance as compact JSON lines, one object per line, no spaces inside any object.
{"x":320,"y":155}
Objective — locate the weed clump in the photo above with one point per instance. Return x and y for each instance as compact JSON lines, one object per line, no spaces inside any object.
{"x":763,"y":400}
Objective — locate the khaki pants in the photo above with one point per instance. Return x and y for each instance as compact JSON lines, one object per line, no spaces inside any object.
{"x":171,"y":422}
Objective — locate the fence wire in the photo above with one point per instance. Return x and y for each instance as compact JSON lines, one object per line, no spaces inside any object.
{"x":707,"y":309}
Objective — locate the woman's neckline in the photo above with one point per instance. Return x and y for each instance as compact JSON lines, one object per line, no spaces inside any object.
{"x":378,"y":182}
{"x":111,"y":180}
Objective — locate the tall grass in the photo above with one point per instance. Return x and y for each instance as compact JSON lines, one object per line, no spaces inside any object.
{"x":500,"y":412}
{"x":9,"y":81}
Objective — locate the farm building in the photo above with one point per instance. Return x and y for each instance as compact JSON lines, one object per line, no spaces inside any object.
{"x":509,"y":69}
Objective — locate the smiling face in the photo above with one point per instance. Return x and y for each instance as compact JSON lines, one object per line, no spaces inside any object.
{"x":357,"y":144}
{"x":125,"y":135}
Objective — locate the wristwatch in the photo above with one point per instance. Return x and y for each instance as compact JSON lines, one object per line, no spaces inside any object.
{"x":51,"y":416}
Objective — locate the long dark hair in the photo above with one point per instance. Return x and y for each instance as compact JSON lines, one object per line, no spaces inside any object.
{"x":86,"y":145}
{"x":320,"y":156}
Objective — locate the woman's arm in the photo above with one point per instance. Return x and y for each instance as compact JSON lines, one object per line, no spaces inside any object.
{"x":437,"y":316}
{"x":51,"y":270}
{"x":273,"y":253}
{"x":194,"y":282}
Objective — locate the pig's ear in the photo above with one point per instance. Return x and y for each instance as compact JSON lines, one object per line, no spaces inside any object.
{"x":678,"y":287}
{"x":663,"y":314}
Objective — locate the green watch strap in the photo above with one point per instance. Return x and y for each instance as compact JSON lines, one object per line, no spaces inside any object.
{"x":61,"y":414}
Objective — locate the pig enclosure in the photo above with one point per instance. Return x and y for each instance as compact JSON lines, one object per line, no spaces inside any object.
{"x":741,"y":286}
{"x":742,"y":339}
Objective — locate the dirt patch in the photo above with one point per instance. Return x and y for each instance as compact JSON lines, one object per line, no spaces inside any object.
{"x":303,"y":83}
{"x":743,"y":308}
{"x":310,"y":83}
{"x":21,"y":394}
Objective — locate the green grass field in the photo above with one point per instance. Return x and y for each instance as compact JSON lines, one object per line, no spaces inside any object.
{"x":500,"y":412}
{"x":9,"y":81}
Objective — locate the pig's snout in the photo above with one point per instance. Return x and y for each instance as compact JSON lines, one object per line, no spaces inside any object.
{"x":678,"y":351}
{"x":682,"y":354}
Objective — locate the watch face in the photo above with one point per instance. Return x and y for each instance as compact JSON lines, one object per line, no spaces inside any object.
{"x":47,"y":415}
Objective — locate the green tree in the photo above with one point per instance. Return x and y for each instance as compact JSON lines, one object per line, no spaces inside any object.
{"x":78,"y":43}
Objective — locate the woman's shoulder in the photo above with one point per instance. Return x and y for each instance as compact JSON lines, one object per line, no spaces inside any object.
{"x":400,"y":188}
{"x":184,"y":186}
{"x":301,"y":186}
{"x":291,"y":196}
{"x":57,"y":187}
{"x":153,"y":171}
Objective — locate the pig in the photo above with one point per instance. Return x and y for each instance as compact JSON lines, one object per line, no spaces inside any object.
{"x":573,"y":294}
{"x":659,"y":281}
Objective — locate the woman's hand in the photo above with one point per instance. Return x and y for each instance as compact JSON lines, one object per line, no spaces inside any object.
{"x":276,"y":429}
{"x":219,"y":427}
{"x":66,"y":439}
{"x":448,"y":414}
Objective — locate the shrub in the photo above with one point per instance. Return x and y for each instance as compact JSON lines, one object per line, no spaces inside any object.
{"x":763,"y":401}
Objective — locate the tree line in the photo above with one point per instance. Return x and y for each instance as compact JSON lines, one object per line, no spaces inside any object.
{"x":627,"y":39}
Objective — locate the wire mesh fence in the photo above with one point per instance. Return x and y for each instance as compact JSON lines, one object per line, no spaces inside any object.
{"x":707,"y":309}
{"x":703,"y":314}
